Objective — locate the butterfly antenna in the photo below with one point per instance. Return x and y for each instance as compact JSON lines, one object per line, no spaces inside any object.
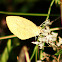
{"x":55,"y":19}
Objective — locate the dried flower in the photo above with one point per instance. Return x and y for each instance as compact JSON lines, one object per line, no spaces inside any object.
{"x":46,"y":35}
{"x":41,"y":45}
{"x":45,"y":23}
{"x":60,"y":41}
{"x":37,"y":43}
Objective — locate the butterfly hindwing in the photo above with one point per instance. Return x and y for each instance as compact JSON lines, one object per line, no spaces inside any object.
{"x":22,"y":27}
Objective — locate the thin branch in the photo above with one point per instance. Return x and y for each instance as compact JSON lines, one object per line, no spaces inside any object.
{"x":35,"y":48}
{"x":49,"y":10}
{"x":61,"y":11}
{"x":19,"y":13}
{"x":12,"y":36}
{"x":58,"y":58}
{"x":53,"y":29}
{"x":6,"y":37}
{"x":29,"y":14}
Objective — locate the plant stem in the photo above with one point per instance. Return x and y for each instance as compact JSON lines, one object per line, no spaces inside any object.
{"x":29,"y":14}
{"x":6,"y":37}
{"x":53,"y":29}
{"x":36,"y":53}
{"x":12,"y":36}
{"x":58,"y":58}
{"x":49,"y":10}
{"x":61,"y":11}
{"x":16,"y":13}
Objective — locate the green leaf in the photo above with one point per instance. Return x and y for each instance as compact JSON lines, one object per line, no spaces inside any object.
{"x":59,"y":52}
{"x":57,"y":1}
{"x":5,"y":54}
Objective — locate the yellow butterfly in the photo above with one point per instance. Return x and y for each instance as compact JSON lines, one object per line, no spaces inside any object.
{"x":22,"y":27}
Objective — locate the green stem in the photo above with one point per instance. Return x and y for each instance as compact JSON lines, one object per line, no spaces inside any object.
{"x":18,"y":13}
{"x":34,"y":52}
{"x":41,"y":54}
{"x":27,"y":14}
{"x":49,"y":10}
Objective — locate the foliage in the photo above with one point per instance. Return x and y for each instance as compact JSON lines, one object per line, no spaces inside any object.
{"x":5,"y":55}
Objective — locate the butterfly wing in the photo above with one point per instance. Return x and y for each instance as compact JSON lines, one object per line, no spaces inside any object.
{"x":22,"y":27}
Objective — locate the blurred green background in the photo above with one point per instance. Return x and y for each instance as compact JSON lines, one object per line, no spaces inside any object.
{"x":24,"y":6}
